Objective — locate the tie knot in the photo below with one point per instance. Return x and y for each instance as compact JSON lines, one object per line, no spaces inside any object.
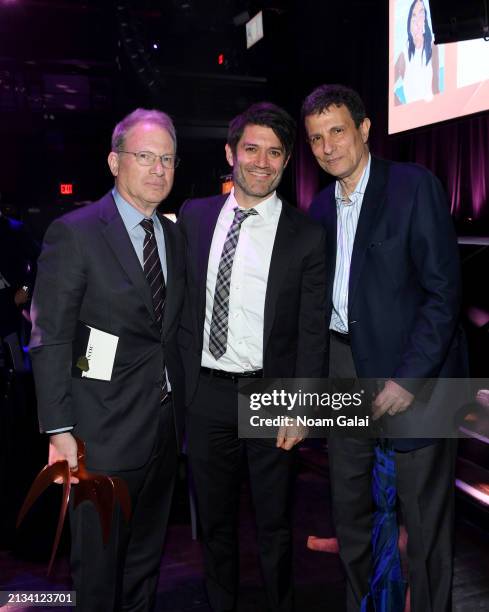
{"x":147,"y":225}
{"x":241,"y":215}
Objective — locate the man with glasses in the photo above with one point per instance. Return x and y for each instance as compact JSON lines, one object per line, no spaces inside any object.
{"x":105,"y":312}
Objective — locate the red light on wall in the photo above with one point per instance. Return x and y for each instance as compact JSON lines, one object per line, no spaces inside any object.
{"x":220,"y":59}
{"x":66,"y":188}
{"x":226,"y":186}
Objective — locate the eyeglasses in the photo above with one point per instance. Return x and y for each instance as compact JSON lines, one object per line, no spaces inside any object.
{"x":147,"y":158}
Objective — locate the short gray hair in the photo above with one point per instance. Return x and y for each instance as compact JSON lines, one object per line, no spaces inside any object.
{"x":142,"y":115}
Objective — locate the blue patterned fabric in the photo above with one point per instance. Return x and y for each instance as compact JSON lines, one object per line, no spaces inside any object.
{"x":387,"y":587}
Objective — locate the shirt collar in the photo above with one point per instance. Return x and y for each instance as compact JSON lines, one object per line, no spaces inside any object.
{"x":130,"y":215}
{"x":357,"y":194}
{"x":266,"y":208}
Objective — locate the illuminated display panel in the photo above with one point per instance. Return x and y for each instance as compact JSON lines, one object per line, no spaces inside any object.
{"x":430,"y":83}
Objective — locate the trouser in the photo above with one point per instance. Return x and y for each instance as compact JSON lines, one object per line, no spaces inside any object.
{"x":216,"y":458}
{"x":425,"y":489}
{"x":123,"y":575}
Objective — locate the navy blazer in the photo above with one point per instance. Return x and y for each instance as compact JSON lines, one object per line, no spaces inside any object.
{"x":405,"y":285}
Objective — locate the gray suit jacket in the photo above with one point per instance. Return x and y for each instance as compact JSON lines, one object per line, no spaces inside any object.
{"x":89,"y":272}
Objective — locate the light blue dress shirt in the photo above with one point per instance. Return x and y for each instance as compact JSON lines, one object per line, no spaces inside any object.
{"x":132,"y":221}
{"x":347,"y":214}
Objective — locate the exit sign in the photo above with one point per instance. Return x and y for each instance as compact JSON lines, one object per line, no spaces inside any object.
{"x":66,"y":188}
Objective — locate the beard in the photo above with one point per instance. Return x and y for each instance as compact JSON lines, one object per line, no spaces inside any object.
{"x":254,"y":187}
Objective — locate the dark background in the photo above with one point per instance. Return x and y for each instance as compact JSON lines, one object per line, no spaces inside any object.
{"x":69,"y":70}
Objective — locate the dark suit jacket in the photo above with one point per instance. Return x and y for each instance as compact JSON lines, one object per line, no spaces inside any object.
{"x":89,"y":271}
{"x":404,"y":287}
{"x":294,"y":331}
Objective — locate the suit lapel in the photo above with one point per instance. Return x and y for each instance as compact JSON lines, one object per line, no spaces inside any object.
{"x":279,"y":266}
{"x":170,"y":252}
{"x":372,"y":204}
{"x":330,"y":223}
{"x":207,"y":225}
{"x":116,"y":235}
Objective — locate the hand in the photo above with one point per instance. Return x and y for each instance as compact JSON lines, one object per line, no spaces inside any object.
{"x":21,"y":297}
{"x":63,"y":446}
{"x":392,"y":399}
{"x":291,"y":435}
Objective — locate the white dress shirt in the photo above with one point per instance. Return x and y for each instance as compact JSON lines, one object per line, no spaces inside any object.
{"x":249,"y":278}
{"x":347,"y":214}
{"x":418,"y":77}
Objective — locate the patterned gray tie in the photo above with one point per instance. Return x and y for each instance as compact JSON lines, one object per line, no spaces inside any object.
{"x":218,"y":336}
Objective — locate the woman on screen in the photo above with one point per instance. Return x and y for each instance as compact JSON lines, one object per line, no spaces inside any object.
{"x":418,"y":65}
